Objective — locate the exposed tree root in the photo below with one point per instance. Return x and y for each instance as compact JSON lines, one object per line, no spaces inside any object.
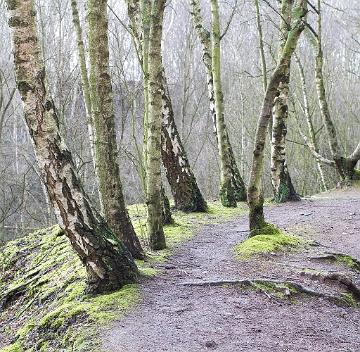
{"x":340,"y":280}
{"x":346,"y":259}
{"x":288,"y":288}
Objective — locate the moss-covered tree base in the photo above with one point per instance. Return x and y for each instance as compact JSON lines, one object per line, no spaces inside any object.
{"x":256,"y":218}
{"x":285,"y":192}
{"x":228,"y":195}
{"x":194,"y":203}
{"x":43,"y":299}
{"x":266,"y":240}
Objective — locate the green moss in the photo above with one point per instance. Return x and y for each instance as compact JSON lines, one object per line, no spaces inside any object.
{"x":54,"y":304}
{"x":356,"y":183}
{"x":26,"y":329}
{"x":146,"y":269}
{"x":266,"y":286}
{"x":349,"y":300}
{"x":283,"y":192}
{"x":228,"y":195}
{"x":270,"y":240}
{"x":107,"y":307}
{"x":348,"y":261}
{"x":357,"y":175}
{"x":277,"y":290}
{"x":15,"y":347}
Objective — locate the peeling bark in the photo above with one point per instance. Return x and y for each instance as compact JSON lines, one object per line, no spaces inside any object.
{"x":108,"y":263}
{"x":105,"y":136}
{"x":186,"y":193}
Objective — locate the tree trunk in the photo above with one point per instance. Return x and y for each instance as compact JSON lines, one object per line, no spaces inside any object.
{"x":344,"y":165}
{"x":255,"y":197}
{"x":183,"y":185}
{"x":108,"y":263}
{"x":85,"y":85}
{"x":153,"y":182}
{"x":324,"y":107}
{"x":281,"y":181}
{"x":139,"y":12}
{"x":312,"y":135}
{"x":186,"y":193}
{"x":236,"y":183}
{"x":227,"y":187}
{"x":166,"y":209}
{"x":105,"y":136}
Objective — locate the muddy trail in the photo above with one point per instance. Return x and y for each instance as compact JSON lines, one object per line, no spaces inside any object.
{"x":202,"y":303}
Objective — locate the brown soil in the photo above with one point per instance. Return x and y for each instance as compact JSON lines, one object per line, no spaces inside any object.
{"x":178,"y":318}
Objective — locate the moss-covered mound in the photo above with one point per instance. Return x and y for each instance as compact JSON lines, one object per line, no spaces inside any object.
{"x":42,"y":299}
{"x":271,"y":239}
{"x":43,"y":306}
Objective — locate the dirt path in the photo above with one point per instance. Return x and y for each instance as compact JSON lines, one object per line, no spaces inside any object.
{"x":177,"y":318}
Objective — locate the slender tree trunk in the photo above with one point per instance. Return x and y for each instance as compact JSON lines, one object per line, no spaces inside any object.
{"x":281,"y":181}
{"x":237,"y":183}
{"x":153,"y":183}
{"x":261,"y":45}
{"x":320,"y":87}
{"x":227,"y":187}
{"x":85,"y":85}
{"x":105,"y":135}
{"x":139,"y":12}
{"x":184,"y":188}
{"x":255,"y":196}
{"x":345,"y":165}
{"x":310,"y":125}
{"x":108,"y":263}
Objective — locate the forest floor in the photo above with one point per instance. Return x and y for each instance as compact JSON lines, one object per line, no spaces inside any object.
{"x":304,"y":299}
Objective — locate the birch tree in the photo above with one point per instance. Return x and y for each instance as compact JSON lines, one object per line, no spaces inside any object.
{"x":153,"y":180}
{"x":344,"y":164}
{"x":105,"y":135}
{"x":232,"y":187}
{"x":278,"y":77}
{"x":281,"y":181}
{"x":108,"y":263}
{"x":186,"y":193}
{"x":311,"y":141}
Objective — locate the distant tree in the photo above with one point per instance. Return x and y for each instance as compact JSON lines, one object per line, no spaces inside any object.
{"x":85,"y":85}
{"x":311,"y":142}
{"x":108,"y":263}
{"x":344,"y":164}
{"x":232,"y":187}
{"x":105,"y":135}
{"x":278,"y":77}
